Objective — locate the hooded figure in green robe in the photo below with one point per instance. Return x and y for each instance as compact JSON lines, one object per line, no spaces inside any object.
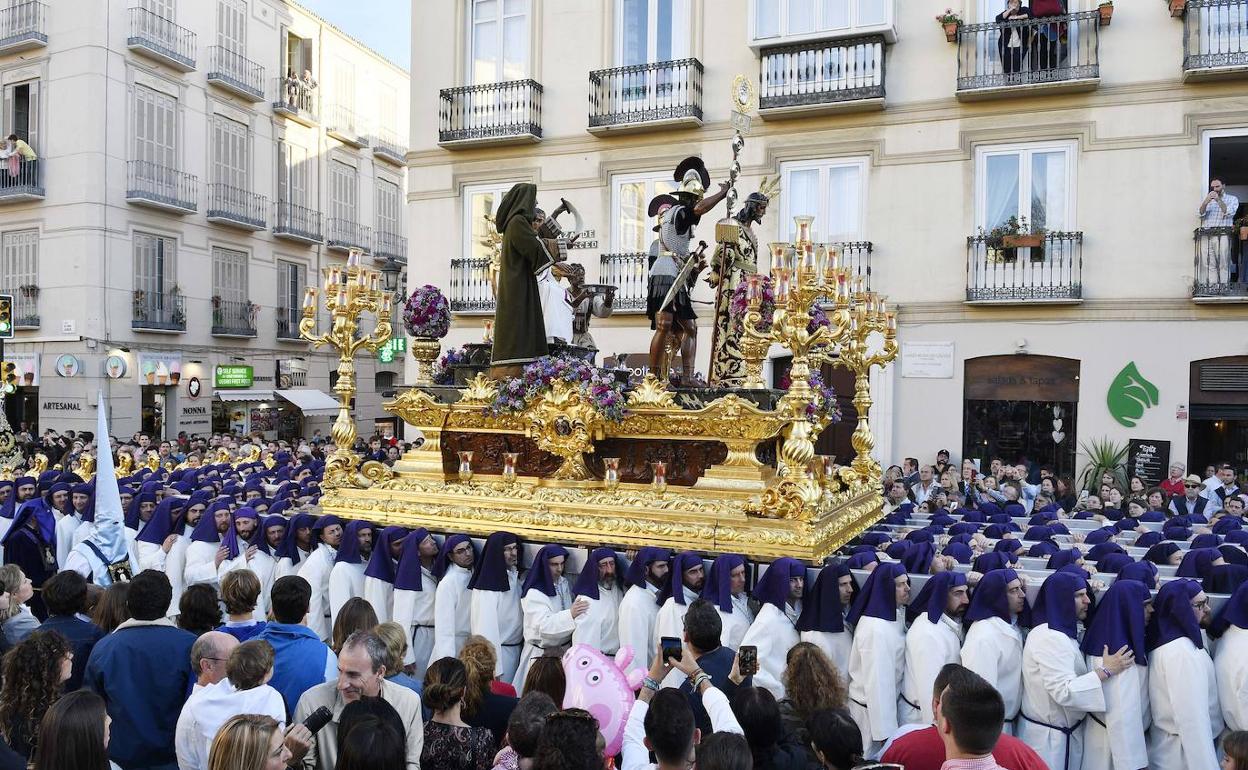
{"x":519,"y":328}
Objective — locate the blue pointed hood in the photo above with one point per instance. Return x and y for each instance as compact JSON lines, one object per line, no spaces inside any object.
{"x":1142,"y":571}
{"x":773,"y":586}
{"x":165,"y":521}
{"x":538,"y":575}
{"x":821,"y":606}
{"x":9,"y":509}
{"x":675,"y":586}
{"x":443,"y":562}
{"x":718,"y":586}
{"x":261,"y":539}
{"x":934,"y":596}
{"x":636,"y":574}
{"x":587,"y":583}
{"x":1119,"y":620}
{"x":490,"y":571}
{"x":961,"y":552}
{"x":1161,"y":553}
{"x":289,"y":548}
{"x":878,"y":598}
{"x":110,"y":534}
{"x":989,"y":600}
{"x":206,"y":529}
{"x":381,"y":565}
{"x":36,"y":508}
{"x":408,"y":575}
{"x":1172,"y":615}
{"x":232,"y":542}
{"x":1197,"y":562}
{"x":349,"y":549}
{"x":1055,"y":605}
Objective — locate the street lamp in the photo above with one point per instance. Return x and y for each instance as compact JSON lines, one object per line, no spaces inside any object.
{"x":390,"y":272}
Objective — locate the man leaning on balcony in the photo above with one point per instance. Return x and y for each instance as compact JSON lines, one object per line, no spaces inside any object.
{"x":1218,"y":210}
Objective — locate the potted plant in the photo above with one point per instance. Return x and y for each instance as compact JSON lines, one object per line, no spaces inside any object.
{"x":1004,"y":240}
{"x":1242,"y":225}
{"x":427,"y":318}
{"x":1178,"y":8}
{"x":951,"y":22}
{"x":140,"y":306}
{"x":1106,"y":9}
{"x":253,"y":310}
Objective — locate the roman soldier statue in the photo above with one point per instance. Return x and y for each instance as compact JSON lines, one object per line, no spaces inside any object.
{"x":668,"y":304}
{"x":736,"y":258}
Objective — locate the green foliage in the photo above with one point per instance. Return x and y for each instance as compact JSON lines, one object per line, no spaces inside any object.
{"x":1104,"y":456}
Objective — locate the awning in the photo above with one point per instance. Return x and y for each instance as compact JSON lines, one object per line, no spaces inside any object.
{"x":244,"y":395}
{"x":313,"y":403}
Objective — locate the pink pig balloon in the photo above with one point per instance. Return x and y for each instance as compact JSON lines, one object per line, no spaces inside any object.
{"x":599,"y":685}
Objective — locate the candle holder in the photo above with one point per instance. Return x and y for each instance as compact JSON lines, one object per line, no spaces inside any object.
{"x":509,"y":466}
{"x":611,"y":473}
{"x":465,"y":466}
{"x":487,"y":331}
{"x":659,"y":484}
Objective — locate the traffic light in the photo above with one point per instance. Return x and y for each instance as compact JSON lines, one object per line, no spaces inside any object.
{"x":6,"y":316}
{"x":8,"y":376}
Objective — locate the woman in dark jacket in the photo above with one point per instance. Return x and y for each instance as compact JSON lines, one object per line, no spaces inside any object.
{"x":773,"y":747}
{"x":1015,"y":40}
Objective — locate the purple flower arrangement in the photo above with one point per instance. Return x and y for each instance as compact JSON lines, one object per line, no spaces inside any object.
{"x":442,"y":374}
{"x":427,"y":313}
{"x":603,"y":390}
{"x":824,"y":404}
{"x":740,"y":304}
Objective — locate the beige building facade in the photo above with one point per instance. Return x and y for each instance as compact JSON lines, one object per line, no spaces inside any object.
{"x":1125,"y":320}
{"x":198,"y":164}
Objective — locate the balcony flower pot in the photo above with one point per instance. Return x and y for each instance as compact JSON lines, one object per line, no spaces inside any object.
{"x":951,"y":31}
{"x":1107,"y":13}
{"x":1178,"y":8}
{"x":1243,"y":232}
{"x":1027,"y":241}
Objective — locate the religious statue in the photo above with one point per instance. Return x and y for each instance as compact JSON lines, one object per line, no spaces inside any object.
{"x":588,"y":301}
{"x":668,"y":304}
{"x":736,"y":257}
{"x":519,"y":327}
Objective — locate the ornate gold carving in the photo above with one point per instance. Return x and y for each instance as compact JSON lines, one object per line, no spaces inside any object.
{"x":480,"y":390}
{"x":651,"y":391}
{"x":425,"y":351}
{"x":125,"y":464}
{"x":84,"y":467}
{"x":564,"y":422}
{"x":252,"y":455}
{"x":39,"y":465}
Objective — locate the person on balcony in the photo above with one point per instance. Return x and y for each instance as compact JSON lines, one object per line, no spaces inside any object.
{"x":15,"y":152}
{"x":1015,"y":39}
{"x":1046,"y":49}
{"x":1217,"y":210}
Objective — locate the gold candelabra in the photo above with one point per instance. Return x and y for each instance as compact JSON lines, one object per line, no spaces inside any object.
{"x":802,"y":273}
{"x":349,"y":292}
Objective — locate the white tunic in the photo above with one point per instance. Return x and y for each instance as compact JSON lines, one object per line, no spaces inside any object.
{"x":735,"y":623}
{"x":263,"y":565}
{"x":599,"y":627}
{"x":929,"y":646}
{"x":452,"y":613}
{"x":1058,"y":692}
{"x":1115,"y":738}
{"x":1183,"y":691}
{"x":774,"y":635}
{"x":836,"y":645}
{"x":877,"y":665}
{"x":496,"y":615}
{"x":345,"y":581}
{"x":380,"y":594}
{"x":414,"y":610}
{"x":547,"y":623}
{"x":65,"y":527}
{"x":671,"y":619}
{"x":315,"y":569}
{"x":639,"y":615}
{"x":556,"y":309}
{"x":994,"y":650}
{"x":1230,"y":662}
{"x":201,"y":563}
{"x":175,"y":567}
{"x":287,"y":567}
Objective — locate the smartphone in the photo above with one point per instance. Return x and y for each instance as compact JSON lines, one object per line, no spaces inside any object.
{"x":747,"y":660}
{"x":1083,"y":495}
{"x":672,"y":649}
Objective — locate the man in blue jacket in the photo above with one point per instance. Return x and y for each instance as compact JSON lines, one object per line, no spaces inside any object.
{"x":300,"y":659}
{"x":65,"y":593}
{"x":143,"y":672}
{"x":703,"y":629}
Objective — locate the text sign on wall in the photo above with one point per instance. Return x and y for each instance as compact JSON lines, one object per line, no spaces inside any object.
{"x":931,"y":360}
{"x":232,"y":376}
{"x":1149,"y":459}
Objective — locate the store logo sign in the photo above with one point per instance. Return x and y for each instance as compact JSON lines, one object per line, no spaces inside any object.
{"x":232,"y":376}
{"x":395,"y":347}
{"x":1130,"y":395}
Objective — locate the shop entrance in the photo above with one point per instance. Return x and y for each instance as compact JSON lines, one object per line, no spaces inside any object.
{"x":21,"y":409}
{"x":153,"y":411}
{"x":1218,"y":429}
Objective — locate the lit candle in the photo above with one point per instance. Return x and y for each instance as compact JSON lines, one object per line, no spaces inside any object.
{"x":809,"y":266}
{"x":309,"y":298}
{"x":385,"y":305}
{"x":353,"y":258}
{"x":892,"y":321}
{"x":778,"y":250}
{"x":782,"y":286}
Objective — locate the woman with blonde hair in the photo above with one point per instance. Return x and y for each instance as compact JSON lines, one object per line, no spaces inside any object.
{"x":248,"y":742}
{"x":396,"y":648}
{"x":18,"y":621}
{"x":811,"y":684}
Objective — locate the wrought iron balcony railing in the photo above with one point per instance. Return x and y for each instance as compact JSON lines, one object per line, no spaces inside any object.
{"x":297,"y":99}
{"x":1220,"y":265}
{"x":25,"y":304}
{"x":25,"y":185}
{"x":344,"y":235}
{"x":1215,"y":38}
{"x":389,"y":147}
{"x":492,"y":113}
{"x":1054,"y":52}
{"x":288,"y":323}
{"x":236,"y":73}
{"x":660,"y":94}
{"x":1042,"y":268}
{"x":151,"y":184}
{"x":159,"y":311}
{"x":234,"y":318}
{"x":236,"y":206}
{"x":470,"y":286}
{"x":343,"y":124}
{"x":628,"y":274}
{"x":823,"y":75}
{"x":297,"y":223}
{"x":23,"y":26}
{"x":389,"y":245}
{"x":161,"y":39}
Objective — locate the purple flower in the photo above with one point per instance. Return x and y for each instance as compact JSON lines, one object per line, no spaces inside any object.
{"x":427,"y":313}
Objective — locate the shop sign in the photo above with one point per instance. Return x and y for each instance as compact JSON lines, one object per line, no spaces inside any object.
{"x":930,"y":360}
{"x":1130,"y":395}
{"x":194,"y":387}
{"x":1149,"y":459}
{"x":25,"y":368}
{"x":394,"y":348}
{"x":64,"y":404}
{"x":232,"y":376}
{"x":160,"y":369}
{"x":115,"y":367}
{"x":194,"y":416}
{"x":68,"y":365}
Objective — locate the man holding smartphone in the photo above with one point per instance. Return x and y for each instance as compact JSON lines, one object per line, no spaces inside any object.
{"x":703,"y":629}
{"x":1217,"y":210}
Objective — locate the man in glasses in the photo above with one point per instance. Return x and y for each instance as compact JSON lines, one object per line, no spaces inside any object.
{"x":1182,"y":687}
{"x":1192,"y":503}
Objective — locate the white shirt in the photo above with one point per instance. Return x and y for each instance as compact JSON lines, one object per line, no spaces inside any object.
{"x":210,"y":707}
{"x":380,"y":594}
{"x":416,"y":608}
{"x":635,"y":754}
{"x":772,"y":632}
{"x":497,"y":616}
{"x":877,"y":665}
{"x":1058,"y":692}
{"x":1120,"y":744}
{"x":929,"y":646}
{"x":451,"y":612}
{"x":994,"y":650}
{"x":639,"y":614}
{"x":345,"y":581}
{"x":835,"y":644}
{"x":65,"y":527}
{"x":735,"y":623}
{"x":599,"y":627}
{"x":671,"y":619}
{"x":315,"y":569}
{"x":1230,"y":663}
{"x":1187,"y":718}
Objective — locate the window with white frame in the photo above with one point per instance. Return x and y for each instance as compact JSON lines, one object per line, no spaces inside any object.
{"x":165,"y":9}
{"x":293,"y":174}
{"x":155,"y":127}
{"x":292,"y":277}
{"x":343,"y":191}
{"x":230,"y":151}
{"x":649,"y":31}
{"x":21,"y":112}
{"x":1033,"y":181}
{"x":498,"y":41}
{"x":344,"y":90}
{"x":387,"y":206}
{"x":155,"y":264}
{"x":479,"y":205}
{"x":832,"y":191}
{"x":19,"y":266}
{"x":232,"y":26}
{"x":632,"y":227}
{"x":229,"y":276}
{"x":779,"y":19}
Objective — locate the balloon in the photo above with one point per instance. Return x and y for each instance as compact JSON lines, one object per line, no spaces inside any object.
{"x":599,"y":685}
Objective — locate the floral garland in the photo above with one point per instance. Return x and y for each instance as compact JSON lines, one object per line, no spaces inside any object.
{"x":515,"y":394}
{"x":427,"y":314}
{"x":442,"y":374}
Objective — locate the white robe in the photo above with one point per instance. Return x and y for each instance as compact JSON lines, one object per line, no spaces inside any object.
{"x":836,"y":645}
{"x":1183,"y":691}
{"x":638,"y":618}
{"x":201,"y":564}
{"x":599,"y":627}
{"x":1230,"y":662}
{"x":671,"y":619}
{"x":65,"y":527}
{"x":315,"y":569}
{"x":151,"y":556}
{"x":994,"y":650}
{"x":380,"y":594}
{"x":1058,"y":692}
{"x":547,"y":623}
{"x":496,"y":615}
{"x":452,"y":613}
{"x":286,"y":567}
{"x":263,"y":565}
{"x":83,"y":560}
{"x":929,"y":646}
{"x":877,"y":669}
{"x":175,"y":568}
{"x":345,"y":581}
{"x":772,"y":632}
{"x":1115,"y":738}
{"x":414,"y":610}
{"x":735,"y":623}
{"x":556,"y":309}
{"x":84,"y":530}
